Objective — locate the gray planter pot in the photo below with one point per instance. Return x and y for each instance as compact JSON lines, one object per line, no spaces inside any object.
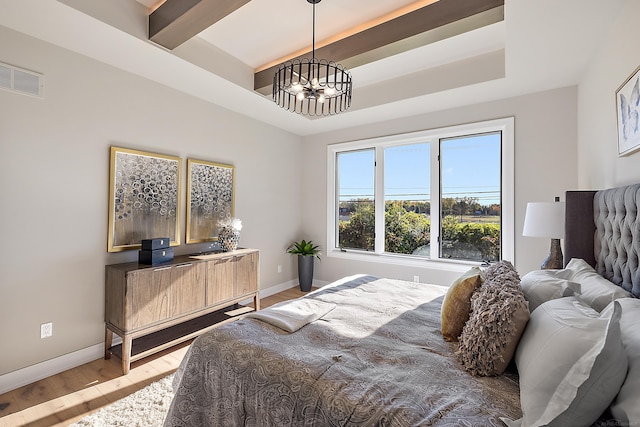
{"x":305,"y":272}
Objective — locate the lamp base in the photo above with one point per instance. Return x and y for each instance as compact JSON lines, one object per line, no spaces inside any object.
{"x":554,"y":260}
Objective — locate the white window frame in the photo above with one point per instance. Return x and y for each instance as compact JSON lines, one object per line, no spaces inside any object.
{"x":433,"y":136}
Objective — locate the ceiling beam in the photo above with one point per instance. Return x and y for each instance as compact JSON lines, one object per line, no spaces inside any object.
{"x":176,"y":21}
{"x":395,"y":36}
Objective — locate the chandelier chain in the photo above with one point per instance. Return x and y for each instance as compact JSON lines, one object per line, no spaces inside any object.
{"x":313,"y":36}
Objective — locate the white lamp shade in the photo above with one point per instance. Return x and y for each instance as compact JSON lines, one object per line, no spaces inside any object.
{"x":544,"y":219}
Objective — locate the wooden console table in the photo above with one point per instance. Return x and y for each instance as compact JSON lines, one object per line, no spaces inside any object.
{"x":159,"y":306}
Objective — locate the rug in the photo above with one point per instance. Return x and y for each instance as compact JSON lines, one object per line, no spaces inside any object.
{"x":146,"y":407}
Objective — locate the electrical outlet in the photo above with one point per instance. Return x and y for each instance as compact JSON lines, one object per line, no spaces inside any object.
{"x":416,"y":279}
{"x":46,"y":330}
{"x":279,"y":269}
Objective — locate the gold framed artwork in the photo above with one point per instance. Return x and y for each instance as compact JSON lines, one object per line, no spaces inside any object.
{"x":144,"y":196}
{"x":210,"y":198}
{"x":628,"y":114}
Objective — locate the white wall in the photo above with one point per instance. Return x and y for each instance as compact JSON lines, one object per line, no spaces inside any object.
{"x":618,"y":56}
{"x":545,"y":166}
{"x":54,"y":180}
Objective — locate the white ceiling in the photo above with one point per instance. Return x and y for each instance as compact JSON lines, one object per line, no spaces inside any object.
{"x":259,"y":32}
{"x":546,"y":45}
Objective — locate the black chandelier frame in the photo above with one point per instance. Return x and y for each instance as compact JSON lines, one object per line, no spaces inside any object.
{"x":312,"y":87}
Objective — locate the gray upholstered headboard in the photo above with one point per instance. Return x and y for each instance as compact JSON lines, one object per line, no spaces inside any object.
{"x":603,"y":228}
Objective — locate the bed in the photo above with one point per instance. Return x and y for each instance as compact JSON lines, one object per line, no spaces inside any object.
{"x":370,"y":351}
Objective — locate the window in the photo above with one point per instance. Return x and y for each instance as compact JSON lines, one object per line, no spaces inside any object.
{"x":406,"y":198}
{"x":356,"y":210}
{"x":470,"y":202}
{"x":441,"y":195}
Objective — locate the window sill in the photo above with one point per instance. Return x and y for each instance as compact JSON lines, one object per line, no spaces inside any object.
{"x":404,"y":260}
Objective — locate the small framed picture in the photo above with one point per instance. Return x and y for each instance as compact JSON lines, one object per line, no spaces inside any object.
{"x":144,"y":192}
{"x":628,"y":112}
{"x":210,"y":198}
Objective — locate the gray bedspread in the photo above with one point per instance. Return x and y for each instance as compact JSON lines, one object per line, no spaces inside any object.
{"x":377,"y":359}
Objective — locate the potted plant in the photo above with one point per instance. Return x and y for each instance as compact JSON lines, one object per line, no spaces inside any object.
{"x":306,"y":252}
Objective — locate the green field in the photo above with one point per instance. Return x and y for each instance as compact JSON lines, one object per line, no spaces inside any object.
{"x":481,"y":219}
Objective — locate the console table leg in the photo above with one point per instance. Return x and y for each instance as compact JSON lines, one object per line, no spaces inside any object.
{"x":108,"y":340}
{"x":126,"y":354}
{"x":256,"y":301}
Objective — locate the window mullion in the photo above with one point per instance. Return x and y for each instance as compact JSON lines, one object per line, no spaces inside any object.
{"x":335,"y":206}
{"x":435,"y":199}
{"x":379,"y":201}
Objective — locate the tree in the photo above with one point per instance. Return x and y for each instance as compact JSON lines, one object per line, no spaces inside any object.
{"x":350,"y":206}
{"x":405,"y":231}
{"x":359,"y":231}
{"x":465,"y":205}
{"x":420,"y":207}
{"x":446,"y":205}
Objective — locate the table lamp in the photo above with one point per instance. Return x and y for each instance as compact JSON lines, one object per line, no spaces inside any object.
{"x":546,"y":219}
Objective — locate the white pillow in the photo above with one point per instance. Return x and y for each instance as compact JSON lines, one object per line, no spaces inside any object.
{"x":571,"y":364}
{"x":541,"y":286}
{"x":625,"y":407}
{"x":595,"y":290}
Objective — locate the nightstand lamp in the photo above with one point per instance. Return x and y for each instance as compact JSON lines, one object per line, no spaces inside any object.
{"x":546,"y":219}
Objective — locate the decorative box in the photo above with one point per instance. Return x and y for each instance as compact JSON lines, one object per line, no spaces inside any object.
{"x":157,"y":243}
{"x":155,"y":257}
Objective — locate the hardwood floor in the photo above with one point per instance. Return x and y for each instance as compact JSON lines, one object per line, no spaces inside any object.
{"x":66,"y":397}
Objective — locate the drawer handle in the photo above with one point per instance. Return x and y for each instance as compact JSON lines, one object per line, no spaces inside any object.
{"x":189,"y":264}
{"x":161,"y":269}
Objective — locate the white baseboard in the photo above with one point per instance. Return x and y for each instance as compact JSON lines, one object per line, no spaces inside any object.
{"x":45,"y":369}
{"x":287,"y":285}
{"x":33,"y":373}
{"x":320,"y":283}
{"x":277,"y":288}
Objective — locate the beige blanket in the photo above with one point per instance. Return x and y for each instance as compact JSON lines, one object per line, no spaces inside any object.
{"x":293,"y":315}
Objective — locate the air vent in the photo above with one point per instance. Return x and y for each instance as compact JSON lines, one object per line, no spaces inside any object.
{"x":18,"y":80}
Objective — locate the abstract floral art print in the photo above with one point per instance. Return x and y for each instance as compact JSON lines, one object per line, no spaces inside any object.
{"x":144,"y":195}
{"x":628,"y":109}
{"x":210,"y":198}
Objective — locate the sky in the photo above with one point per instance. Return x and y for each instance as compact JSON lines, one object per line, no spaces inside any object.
{"x":470,"y":168}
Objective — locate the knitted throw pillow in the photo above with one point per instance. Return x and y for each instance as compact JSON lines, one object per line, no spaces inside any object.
{"x":499,"y":314}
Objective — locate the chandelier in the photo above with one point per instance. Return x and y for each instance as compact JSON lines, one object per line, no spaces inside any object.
{"x":312,"y":87}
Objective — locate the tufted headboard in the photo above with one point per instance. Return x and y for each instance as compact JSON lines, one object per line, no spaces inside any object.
{"x":603,"y":228}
